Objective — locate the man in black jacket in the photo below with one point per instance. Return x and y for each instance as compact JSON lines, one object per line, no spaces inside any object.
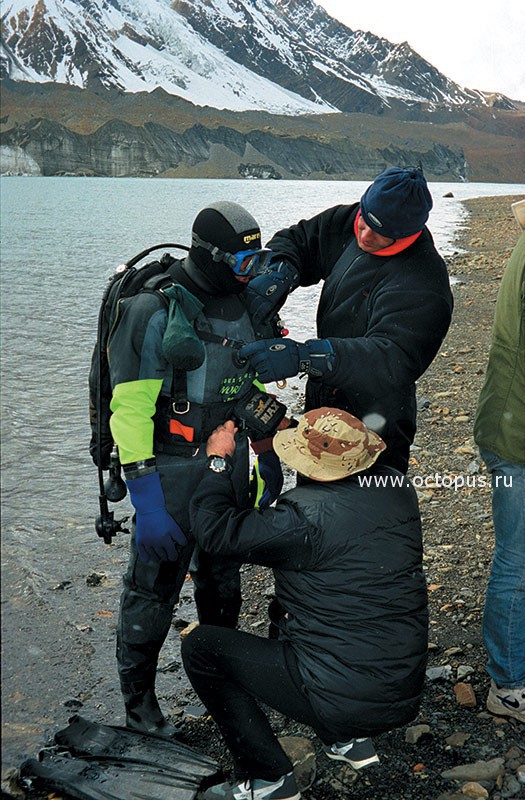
{"x":383,"y":313}
{"x":346,"y":553}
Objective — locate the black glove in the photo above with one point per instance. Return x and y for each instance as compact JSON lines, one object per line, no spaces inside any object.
{"x":275,"y":359}
{"x":265,"y":294}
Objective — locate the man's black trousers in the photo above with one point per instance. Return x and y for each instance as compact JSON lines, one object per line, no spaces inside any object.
{"x":231,"y":671}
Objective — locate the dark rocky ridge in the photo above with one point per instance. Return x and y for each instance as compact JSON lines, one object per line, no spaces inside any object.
{"x":118,"y":149}
{"x":59,"y":129}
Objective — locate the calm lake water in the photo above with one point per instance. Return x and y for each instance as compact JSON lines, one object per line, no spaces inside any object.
{"x":61,"y":239}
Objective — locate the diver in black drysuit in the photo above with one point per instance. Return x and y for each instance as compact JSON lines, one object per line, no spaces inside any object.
{"x":160,"y":448}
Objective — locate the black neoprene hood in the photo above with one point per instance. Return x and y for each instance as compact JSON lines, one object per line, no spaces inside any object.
{"x":230,"y":228}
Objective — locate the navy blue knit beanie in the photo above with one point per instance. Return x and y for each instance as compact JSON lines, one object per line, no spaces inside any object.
{"x":397,"y":203}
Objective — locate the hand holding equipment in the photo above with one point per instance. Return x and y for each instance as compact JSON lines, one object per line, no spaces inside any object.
{"x":266,"y":293}
{"x":158,"y":536}
{"x":259,"y":414}
{"x":275,"y":359}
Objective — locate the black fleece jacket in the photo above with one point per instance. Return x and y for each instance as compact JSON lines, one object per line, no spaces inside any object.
{"x":386,"y":317}
{"x":347,"y":564}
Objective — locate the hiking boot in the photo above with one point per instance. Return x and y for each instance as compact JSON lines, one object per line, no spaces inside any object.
{"x":507,"y":702}
{"x":358,"y":753}
{"x":143,"y":714}
{"x":283,"y":789}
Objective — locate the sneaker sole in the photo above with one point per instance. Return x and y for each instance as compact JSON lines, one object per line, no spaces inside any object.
{"x":366,"y":762}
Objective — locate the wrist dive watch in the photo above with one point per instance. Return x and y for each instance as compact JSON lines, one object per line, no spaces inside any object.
{"x":218,"y":464}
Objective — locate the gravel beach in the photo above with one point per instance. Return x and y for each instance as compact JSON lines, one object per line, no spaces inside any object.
{"x":455,"y":748}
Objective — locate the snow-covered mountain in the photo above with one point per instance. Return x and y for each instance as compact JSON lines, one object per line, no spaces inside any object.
{"x":282,"y":56}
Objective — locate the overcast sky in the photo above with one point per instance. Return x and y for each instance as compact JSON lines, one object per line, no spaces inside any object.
{"x":480,"y":45}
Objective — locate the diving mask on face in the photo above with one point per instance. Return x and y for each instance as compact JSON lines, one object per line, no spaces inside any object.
{"x":244,"y":263}
{"x":249,"y":263}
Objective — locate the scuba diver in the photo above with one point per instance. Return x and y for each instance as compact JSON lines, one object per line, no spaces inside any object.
{"x":174,"y":378}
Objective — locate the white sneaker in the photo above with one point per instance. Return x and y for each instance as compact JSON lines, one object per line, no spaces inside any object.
{"x":283,"y":789}
{"x":358,"y":753}
{"x":507,"y":702}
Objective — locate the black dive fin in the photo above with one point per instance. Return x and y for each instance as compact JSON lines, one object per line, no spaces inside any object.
{"x":104,"y":780}
{"x":84,"y":738}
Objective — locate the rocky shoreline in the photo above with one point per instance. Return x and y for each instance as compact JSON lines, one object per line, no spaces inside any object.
{"x":455,"y":748}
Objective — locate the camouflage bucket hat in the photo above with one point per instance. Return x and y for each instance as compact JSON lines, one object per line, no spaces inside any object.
{"x":328,"y":444}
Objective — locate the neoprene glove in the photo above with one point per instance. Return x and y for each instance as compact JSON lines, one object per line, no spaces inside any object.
{"x":157,"y":534}
{"x":268,"y":478}
{"x":275,"y":359}
{"x":265,"y":294}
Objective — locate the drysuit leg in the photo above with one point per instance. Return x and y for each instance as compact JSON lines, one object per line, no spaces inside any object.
{"x":151,"y":589}
{"x":217,"y":589}
{"x":150,"y":593}
{"x":216,"y":580}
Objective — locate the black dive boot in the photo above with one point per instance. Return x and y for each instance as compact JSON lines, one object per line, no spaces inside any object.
{"x":143,"y":713}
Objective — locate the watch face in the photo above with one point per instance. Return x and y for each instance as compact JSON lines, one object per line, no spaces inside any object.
{"x":218,"y":464}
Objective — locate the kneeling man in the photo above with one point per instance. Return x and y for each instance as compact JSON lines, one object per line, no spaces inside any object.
{"x":345,"y":548}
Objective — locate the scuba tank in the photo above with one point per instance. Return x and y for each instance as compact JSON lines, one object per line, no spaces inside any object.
{"x":126,"y":282}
